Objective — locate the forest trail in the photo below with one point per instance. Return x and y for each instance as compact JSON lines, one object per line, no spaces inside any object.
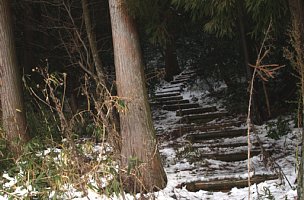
{"x":203,"y":146}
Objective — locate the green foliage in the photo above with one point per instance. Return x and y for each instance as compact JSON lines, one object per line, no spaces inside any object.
{"x":277,"y":129}
{"x":220,"y":61}
{"x":31,"y":172}
{"x":265,"y":12}
{"x":114,"y":187}
{"x":222,"y":16}
{"x":41,"y":122}
{"x":196,"y":8}
{"x":221,"y":56}
{"x":236,"y":98}
{"x":52,"y":161}
{"x":6,"y":157}
{"x":42,"y":172}
{"x":133,"y":164}
{"x":95,"y":131}
{"x":160,"y":21}
{"x":150,"y":15}
{"x":121,"y":105}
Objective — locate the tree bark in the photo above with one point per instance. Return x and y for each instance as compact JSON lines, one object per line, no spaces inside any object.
{"x":244,"y":40}
{"x":14,"y":122}
{"x":140,"y":158}
{"x":256,"y":115}
{"x":92,"y":41}
{"x":296,"y":9}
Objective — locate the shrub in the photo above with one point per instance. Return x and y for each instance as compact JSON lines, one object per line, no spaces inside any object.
{"x":277,"y":129}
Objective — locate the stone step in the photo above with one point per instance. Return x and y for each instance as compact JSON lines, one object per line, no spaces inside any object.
{"x":183,"y":101}
{"x":225,"y":145}
{"x":169,"y":90}
{"x":219,"y":152}
{"x":183,"y":130}
{"x":189,"y":73}
{"x":201,"y":118}
{"x":225,"y":185}
{"x":160,"y":95}
{"x":180,"y":81}
{"x":195,"y":111}
{"x":174,"y":85}
{"x":230,"y":157}
{"x":170,"y":98}
{"x":182,"y":77}
{"x":175,"y":107}
{"x":230,"y":133}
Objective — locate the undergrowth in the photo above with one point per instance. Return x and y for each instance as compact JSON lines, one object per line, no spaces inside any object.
{"x":278,"y":128}
{"x":42,"y":173}
{"x":68,"y":155}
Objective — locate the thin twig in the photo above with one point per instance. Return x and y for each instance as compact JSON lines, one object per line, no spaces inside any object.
{"x":257,"y":67}
{"x":248,"y":130}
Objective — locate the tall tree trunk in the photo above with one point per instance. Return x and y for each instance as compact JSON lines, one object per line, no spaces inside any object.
{"x":102,"y":78}
{"x":139,"y":154}
{"x":92,"y":41}
{"x":256,"y":111}
{"x":171,"y":62}
{"x":244,"y":40}
{"x":296,"y":9}
{"x":11,"y":89}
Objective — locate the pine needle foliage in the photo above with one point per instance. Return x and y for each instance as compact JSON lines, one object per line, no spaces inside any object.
{"x":150,"y":14}
{"x":222,"y":16}
{"x":263,"y":12}
{"x":159,"y":20}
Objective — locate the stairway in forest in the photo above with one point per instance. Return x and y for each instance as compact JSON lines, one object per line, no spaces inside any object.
{"x":208,"y":141}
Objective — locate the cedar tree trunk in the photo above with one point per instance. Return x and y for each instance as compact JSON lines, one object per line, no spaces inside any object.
{"x":296,"y":9}
{"x":92,"y":41}
{"x":256,"y":115}
{"x":140,"y":160}
{"x":11,"y":89}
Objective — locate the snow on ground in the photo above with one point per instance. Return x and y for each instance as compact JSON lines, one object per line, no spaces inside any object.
{"x":273,"y":189}
{"x":177,"y":170}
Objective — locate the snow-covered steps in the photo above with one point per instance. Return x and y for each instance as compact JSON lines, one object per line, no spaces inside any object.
{"x":185,"y":80}
{"x":182,"y":85}
{"x":169,"y":98}
{"x":202,"y":142}
{"x":182,"y":77}
{"x":171,"y":102}
{"x":225,"y":184}
{"x":175,"y":107}
{"x":169,"y":90}
{"x":200,"y":137}
{"x":216,"y":153}
{"x":202,"y":118}
{"x":225,"y":157}
{"x":189,"y":73}
{"x":215,"y":145}
{"x":185,"y":128}
{"x":171,"y":94}
{"x":199,"y":110}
